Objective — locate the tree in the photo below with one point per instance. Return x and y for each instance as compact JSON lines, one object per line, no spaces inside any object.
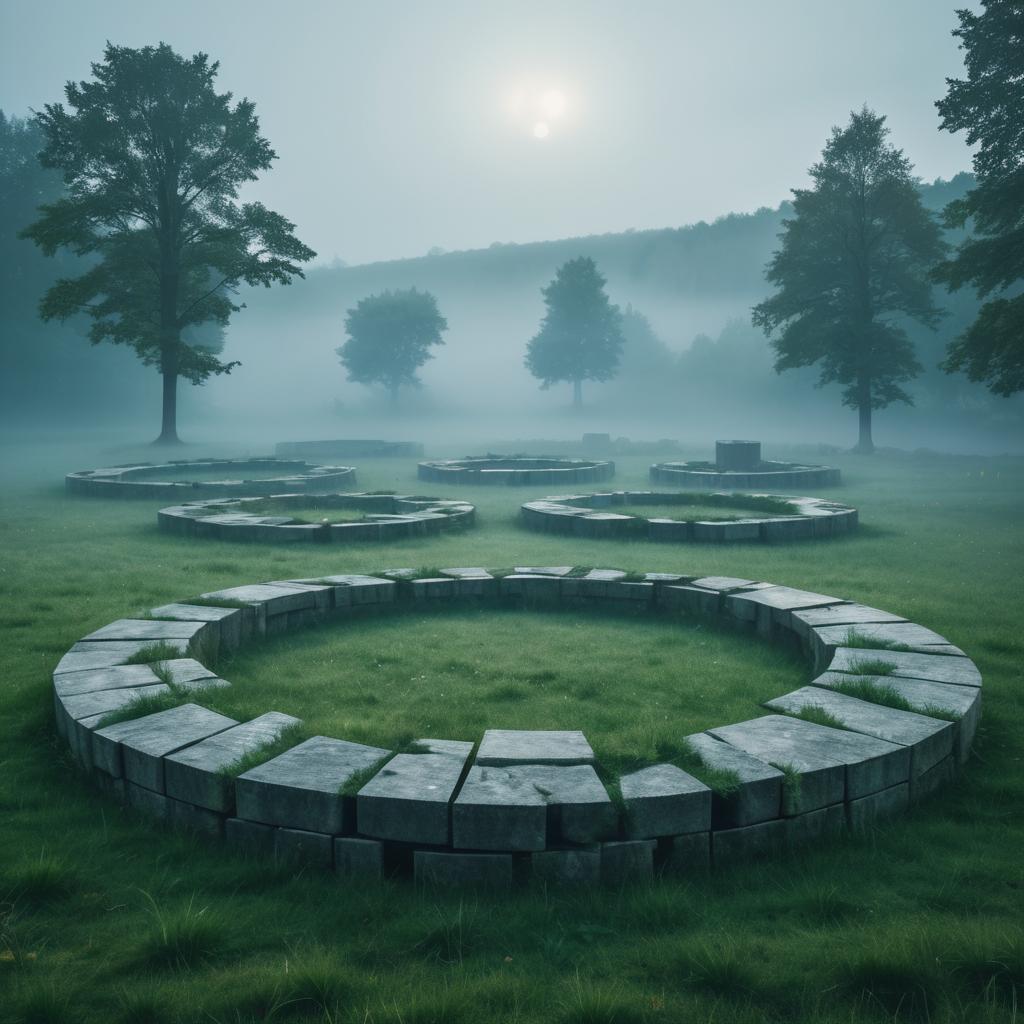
{"x":389,"y":338}
{"x":153,"y":158}
{"x":988,"y":106}
{"x":580,"y":337}
{"x":854,"y":261}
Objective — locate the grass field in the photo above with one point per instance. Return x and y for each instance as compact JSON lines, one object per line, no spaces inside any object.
{"x":105,"y":918}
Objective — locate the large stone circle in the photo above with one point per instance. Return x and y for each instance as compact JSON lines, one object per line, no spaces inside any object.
{"x":516,"y":470}
{"x":525,"y":802}
{"x":594,"y":515}
{"x":170,"y":479}
{"x":777,"y":475}
{"x":388,"y":517}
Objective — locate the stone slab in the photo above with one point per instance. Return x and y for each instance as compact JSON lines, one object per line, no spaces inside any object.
{"x":935,"y":778}
{"x":93,"y":654}
{"x":888,"y":803}
{"x":195,"y":819}
{"x":929,"y":739}
{"x":495,"y":810}
{"x":273,"y":599}
{"x":145,"y":802}
{"x":663,"y":800}
{"x":136,"y":748}
{"x":196,"y":774}
{"x":544,"y":570}
{"x":579,"y":808}
{"x":301,"y":847}
{"x":485,"y":870}
{"x":759,"y":795}
{"x":151,"y":630}
{"x":567,"y":867}
{"x":627,"y":862}
{"x":358,"y":858}
{"x":772,"y":605}
{"x":112,"y":677}
{"x":825,"y":822}
{"x":501,"y":747}
{"x":752,"y":842}
{"x":688,"y":854}
{"x":301,"y":788}
{"x":939,"y":668}
{"x":249,"y":836}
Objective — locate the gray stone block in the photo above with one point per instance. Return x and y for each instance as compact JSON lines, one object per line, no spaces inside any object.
{"x":501,"y":747}
{"x":434,"y":589}
{"x":929,"y":739}
{"x":567,"y":867}
{"x":691,"y":598}
{"x":759,"y":795}
{"x":234,"y":625}
{"x":358,"y":858}
{"x":301,"y":788}
{"x":136,"y":748}
{"x":663,"y":800}
{"x":771,"y":606}
{"x":887,"y":803}
{"x":627,"y":862}
{"x":196,"y":774}
{"x":300,"y":847}
{"x":408,"y":799}
{"x":824,"y":640}
{"x":487,"y":870}
{"x":815,"y":825}
{"x":498,"y":811}
{"x":814,"y":751}
{"x":939,"y":668}
{"x":923,"y":786}
{"x":544,"y":570}
{"x":113,"y":677}
{"x":93,"y":654}
{"x":724,"y":584}
{"x":196,"y":819}
{"x":752,"y":842}
{"x":150,"y":630}
{"x":145,"y":802}
{"x":579,"y":808}
{"x":249,"y":836}
{"x":687,"y":854}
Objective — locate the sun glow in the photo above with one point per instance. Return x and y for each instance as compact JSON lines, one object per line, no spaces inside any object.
{"x":538,"y":108}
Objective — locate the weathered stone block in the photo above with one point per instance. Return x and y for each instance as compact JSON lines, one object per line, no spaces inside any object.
{"x":771,"y":606}
{"x":301,"y":847}
{"x":567,"y":867}
{"x":437,"y":589}
{"x":113,"y":677}
{"x":579,"y":808}
{"x":627,"y":862}
{"x":145,"y":802}
{"x":93,"y":654}
{"x":498,"y":811}
{"x":663,"y":800}
{"x":151,"y":630}
{"x":358,"y":858}
{"x":249,"y":836}
{"x":815,"y":825}
{"x":487,"y":870}
{"x":196,"y":819}
{"x":824,"y":640}
{"x":939,"y":668}
{"x":235,"y":625}
{"x":759,"y":794}
{"x":301,"y":788}
{"x":887,"y":803}
{"x":533,"y":746}
{"x":923,"y":786}
{"x":752,"y":842}
{"x":687,"y":854}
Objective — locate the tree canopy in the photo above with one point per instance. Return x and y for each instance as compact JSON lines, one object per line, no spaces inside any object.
{"x":854,"y":262}
{"x":389,"y":338}
{"x":989,"y":108}
{"x":152,"y":159}
{"x":580,"y":337}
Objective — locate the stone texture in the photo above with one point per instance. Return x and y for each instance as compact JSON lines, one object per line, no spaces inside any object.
{"x":488,"y":870}
{"x":408,"y":799}
{"x":627,"y":862}
{"x":815,"y":825}
{"x":501,"y":747}
{"x":664,"y":800}
{"x":145,"y":802}
{"x":249,"y":836}
{"x":113,"y":677}
{"x":495,"y":810}
{"x":567,"y":867}
{"x":887,"y":803}
{"x":939,"y":668}
{"x":824,"y":640}
{"x":196,"y":774}
{"x":136,"y":748}
{"x":932,"y":780}
{"x":752,"y":842}
{"x":196,"y":819}
{"x":929,"y":739}
{"x":151,"y":630}
{"x":93,"y":654}
{"x":234,"y":625}
{"x":358,"y":858}
{"x":301,"y":788}
{"x":771,"y":606}
{"x":687,"y":854}
{"x":759,"y":796}
{"x":301,"y":847}
{"x":579,"y":808}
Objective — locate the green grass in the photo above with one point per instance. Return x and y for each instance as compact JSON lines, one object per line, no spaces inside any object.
{"x":308,"y":511}
{"x":920,"y":917}
{"x":287,"y":738}
{"x":872,"y":667}
{"x":694,"y":506}
{"x":819,"y":716}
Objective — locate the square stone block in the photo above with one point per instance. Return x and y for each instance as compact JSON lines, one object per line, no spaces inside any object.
{"x":358,"y":858}
{"x":249,"y":836}
{"x":433,"y":589}
{"x":234,"y":625}
{"x":815,"y":825}
{"x":663,"y":800}
{"x":752,"y":842}
{"x":579,"y":808}
{"x":759,"y":794}
{"x":151,"y":630}
{"x":888,"y":803}
{"x":627,"y":862}
{"x":688,"y":854}
{"x":301,"y":788}
{"x":487,"y":870}
{"x":195,"y":819}
{"x":500,"y":747}
{"x":771,"y":606}
{"x":297,"y":846}
{"x":691,"y":598}
{"x":145,"y":802}
{"x":939,"y":668}
{"x":567,"y":867}
{"x":495,"y":810}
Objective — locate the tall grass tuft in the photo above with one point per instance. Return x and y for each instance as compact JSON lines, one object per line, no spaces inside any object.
{"x":183,"y":937}
{"x":42,"y":880}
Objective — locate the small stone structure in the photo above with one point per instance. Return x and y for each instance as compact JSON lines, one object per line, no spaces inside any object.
{"x":347,"y":449}
{"x":170,"y":479}
{"x":594,"y":515}
{"x":529,"y":802}
{"x":738,"y":466}
{"x":388,"y":517}
{"x":516,"y":470}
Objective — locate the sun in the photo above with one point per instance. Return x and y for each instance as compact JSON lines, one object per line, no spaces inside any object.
{"x":541,"y":130}
{"x":538,"y":107}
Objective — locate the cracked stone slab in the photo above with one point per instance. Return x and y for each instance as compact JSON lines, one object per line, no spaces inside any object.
{"x":136,"y":748}
{"x":196,"y":774}
{"x":500,"y":747}
{"x":929,"y":739}
{"x":850,"y":615}
{"x":759,"y":793}
{"x":90,"y":654}
{"x":865,"y":764}
{"x":663,"y":800}
{"x":301,"y":788}
{"x":408,"y":799}
{"x":113,"y":677}
{"x":152,"y":630}
{"x":495,"y":810}
{"x":826,"y":639}
{"x":272,"y":598}
{"x":939,"y":668}
{"x":773,"y":604}
{"x":579,"y":808}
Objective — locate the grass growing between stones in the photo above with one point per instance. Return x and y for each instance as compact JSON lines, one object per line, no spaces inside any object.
{"x":916,"y":921}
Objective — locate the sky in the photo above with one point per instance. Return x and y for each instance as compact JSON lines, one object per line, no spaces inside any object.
{"x":405,"y":126}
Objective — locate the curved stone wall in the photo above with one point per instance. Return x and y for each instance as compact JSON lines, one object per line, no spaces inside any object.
{"x":594,"y":515}
{"x":525,"y":803}
{"x":170,"y":479}
{"x":389,"y":517}
{"x":516,"y":470}
{"x":775,"y":475}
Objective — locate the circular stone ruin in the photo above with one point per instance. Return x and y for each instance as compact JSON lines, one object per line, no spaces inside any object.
{"x":738,"y":466}
{"x":177,"y":479}
{"x":516,"y":470}
{"x":383,"y":517}
{"x":767,"y":518}
{"x":511,"y":804}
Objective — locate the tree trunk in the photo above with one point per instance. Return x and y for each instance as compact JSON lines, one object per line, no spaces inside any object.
{"x":865,"y":444}
{"x":169,"y":420}
{"x":577,"y":394}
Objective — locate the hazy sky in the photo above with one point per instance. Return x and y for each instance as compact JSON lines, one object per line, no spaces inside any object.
{"x":405,"y":125}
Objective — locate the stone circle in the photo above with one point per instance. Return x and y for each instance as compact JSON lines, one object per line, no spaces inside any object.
{"x":387,"y":517}
{"x":528,"y":802}
{"x":594,"y":515}
{"x":738,"y":466}
{"x":516,"y":470}
{"x":170,"y":479}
